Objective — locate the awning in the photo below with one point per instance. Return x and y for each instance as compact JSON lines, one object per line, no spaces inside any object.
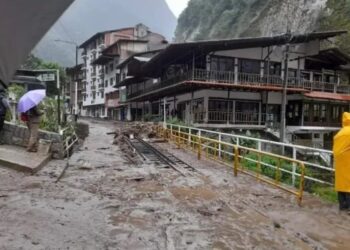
{"x":23,"y":23}
{"x":328,"y":96}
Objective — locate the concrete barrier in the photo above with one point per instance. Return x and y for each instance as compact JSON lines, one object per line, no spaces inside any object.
{"x":18,"y":135}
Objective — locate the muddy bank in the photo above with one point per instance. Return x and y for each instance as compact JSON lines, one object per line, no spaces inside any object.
{"x":104,"y":202}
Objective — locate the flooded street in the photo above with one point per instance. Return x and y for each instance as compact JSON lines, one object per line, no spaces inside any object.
{"x":104,"y":202}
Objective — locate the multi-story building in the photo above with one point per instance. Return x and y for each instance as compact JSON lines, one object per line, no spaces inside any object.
{"x":74,"y":89}
{"x":102,"y":53}
{"x":239,"y":84}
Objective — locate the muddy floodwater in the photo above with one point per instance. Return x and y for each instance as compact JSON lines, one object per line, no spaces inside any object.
{"x":104,"y":202}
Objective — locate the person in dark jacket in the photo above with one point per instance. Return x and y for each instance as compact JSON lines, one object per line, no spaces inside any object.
{"x":4,"y":107}
{"x":33,"y":125}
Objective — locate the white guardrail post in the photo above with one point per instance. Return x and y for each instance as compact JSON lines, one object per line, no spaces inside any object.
{"x":294,"y":165}
{"x":189,"y":136}
{"x":220,"y":139}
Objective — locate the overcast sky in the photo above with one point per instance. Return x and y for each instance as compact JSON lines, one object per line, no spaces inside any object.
{"x":177,"y":6}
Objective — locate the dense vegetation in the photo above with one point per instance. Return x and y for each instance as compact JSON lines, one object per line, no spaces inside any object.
{"x":336,"y":16}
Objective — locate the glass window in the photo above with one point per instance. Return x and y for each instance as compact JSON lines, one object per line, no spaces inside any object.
{"x":275,"y":68}
{"x":335,"y":113}
{"x":222,"y":63}
{"x":323,"y":112}
{"x":306,"y":112}
{"x":117,"y":78}
{"x":316,"y":112}
{"x":249,"y":66}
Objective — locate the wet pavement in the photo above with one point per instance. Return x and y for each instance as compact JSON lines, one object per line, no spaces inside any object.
{"x":103,"y":202}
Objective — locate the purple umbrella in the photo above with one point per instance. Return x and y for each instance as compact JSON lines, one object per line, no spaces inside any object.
{"x":30,"y":100}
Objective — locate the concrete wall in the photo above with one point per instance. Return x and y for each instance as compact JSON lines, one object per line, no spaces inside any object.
{"x":19,"y":135}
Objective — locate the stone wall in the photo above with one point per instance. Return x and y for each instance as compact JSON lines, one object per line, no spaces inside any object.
{"x":18,"y":135}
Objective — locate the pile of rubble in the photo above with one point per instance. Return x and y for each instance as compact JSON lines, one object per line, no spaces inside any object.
{"x":122,"y":137}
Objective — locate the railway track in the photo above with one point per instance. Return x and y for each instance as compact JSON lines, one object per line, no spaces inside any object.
{"x":149,"y":152}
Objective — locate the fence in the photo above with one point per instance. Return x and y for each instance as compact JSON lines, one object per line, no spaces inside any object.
{"x":236,"y":156}
{"x":318,"y":162}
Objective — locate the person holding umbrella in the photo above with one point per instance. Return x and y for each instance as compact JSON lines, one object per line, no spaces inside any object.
{"x":28,"y":104}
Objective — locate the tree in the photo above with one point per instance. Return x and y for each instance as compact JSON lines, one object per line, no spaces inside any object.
{"x":34,"y":63}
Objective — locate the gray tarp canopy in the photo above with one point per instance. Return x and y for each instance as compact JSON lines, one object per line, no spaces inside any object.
{"x":22,"y":24}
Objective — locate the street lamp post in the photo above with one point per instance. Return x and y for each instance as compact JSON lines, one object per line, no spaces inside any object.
{"x":76,"y":64}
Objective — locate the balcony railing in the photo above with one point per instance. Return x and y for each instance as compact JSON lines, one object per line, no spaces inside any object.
{"x":247,"y":79}
{"x":244,"y":118}
{"x":93,"y":87}
{"x":101,"y":86}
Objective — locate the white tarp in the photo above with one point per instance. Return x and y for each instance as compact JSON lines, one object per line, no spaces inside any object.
{"x":22,"y":24}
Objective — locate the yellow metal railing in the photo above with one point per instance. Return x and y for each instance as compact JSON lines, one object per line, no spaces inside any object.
{"x":232,"y":155}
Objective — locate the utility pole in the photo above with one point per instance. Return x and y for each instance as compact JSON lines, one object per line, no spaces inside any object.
{"x":58,"y":98}
{"x":76,"y":82}
{"x":284,"y":96}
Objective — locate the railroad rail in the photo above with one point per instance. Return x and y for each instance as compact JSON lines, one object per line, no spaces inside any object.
{"x":148,"y":151}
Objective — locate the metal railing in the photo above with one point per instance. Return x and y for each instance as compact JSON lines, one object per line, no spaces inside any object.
{"x":234,"y":155}
{"x":246,"y":79}
{"x":318,"y":170}
{"x":214,"y":116}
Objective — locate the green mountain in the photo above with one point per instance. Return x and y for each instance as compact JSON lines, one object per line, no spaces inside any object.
{"x":216,"y":19}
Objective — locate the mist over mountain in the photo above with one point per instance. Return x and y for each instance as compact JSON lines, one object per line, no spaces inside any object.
{"x":84,"y":18}
{"x":206,"y":19}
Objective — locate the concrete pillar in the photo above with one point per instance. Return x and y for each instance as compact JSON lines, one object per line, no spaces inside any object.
{"x":236,"y":71}
{"x":206,"y":109}
{"x":234,"y":112}
{"x":260,"y":115}
{"x":128,"y":114}
{"x":262,"y":69}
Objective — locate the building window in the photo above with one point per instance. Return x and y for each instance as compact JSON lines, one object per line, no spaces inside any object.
{"x":106,"y":70}
{"x":117,"y":78}
{"x":275,"y":68}
{"x":249,"y":66}
{"x":306,"y":112}
{"x":111,"y":81}
{"x":222,"y":64}
{"x":111,"y":66}
{"x":316,"y":117}
{"x":336,"y":114}
{"x":106,"y":83}
{"x":323,"y":112}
